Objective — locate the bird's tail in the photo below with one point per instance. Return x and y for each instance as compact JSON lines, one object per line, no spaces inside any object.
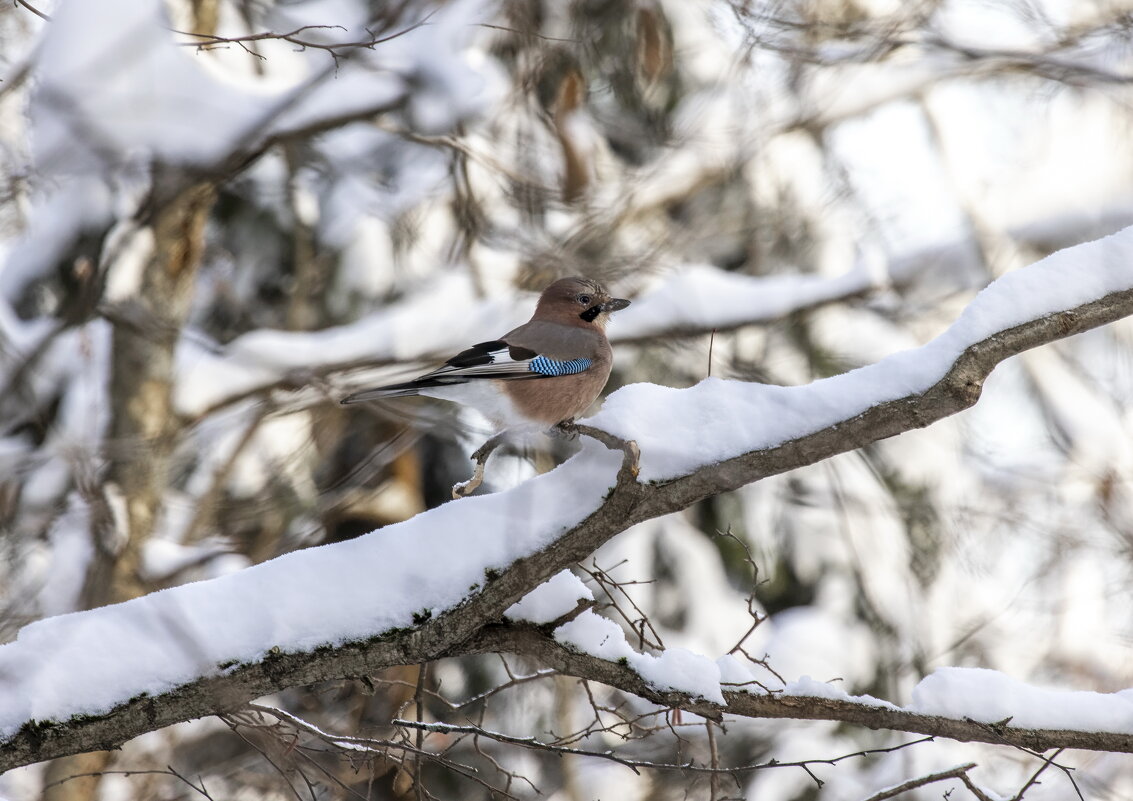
{"x":392,"y":391}
{"x":405,"y":390}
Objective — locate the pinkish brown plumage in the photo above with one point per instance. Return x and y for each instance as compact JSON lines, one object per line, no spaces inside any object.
{"x":547,"y":371}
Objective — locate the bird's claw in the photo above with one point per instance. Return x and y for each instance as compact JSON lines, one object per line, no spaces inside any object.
{"x":565,"y":429}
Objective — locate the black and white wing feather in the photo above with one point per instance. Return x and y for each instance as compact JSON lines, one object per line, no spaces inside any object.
{"x":486,"y":360}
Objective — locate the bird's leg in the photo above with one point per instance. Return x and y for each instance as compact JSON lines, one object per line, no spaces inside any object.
{"x":480,"y":456}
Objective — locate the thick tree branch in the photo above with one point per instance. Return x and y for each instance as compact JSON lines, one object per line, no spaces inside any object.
{"x":455,"y":630}
{"x":531,"y":641}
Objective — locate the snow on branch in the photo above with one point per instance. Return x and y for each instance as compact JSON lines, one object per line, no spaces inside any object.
{"x":812,"y":700}
{"x":429,"y":587}
{"x":693,"y":300}
{"x":700,"y":298}
{"x":210,"y":378}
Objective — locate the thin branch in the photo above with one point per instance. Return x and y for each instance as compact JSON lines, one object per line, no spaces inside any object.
{"x":532,"y":33}
{"x":1064,"y":62}
{"x":34,"y":10}
{"x":756,"y":616}
{"x":169,"y":771}
{"x":608,"y":584}
{"x":348,"y":744}
{"x":234,"y":724}
{"x":958,"y":772}
{"x":1047,"y":762}
{"x":973,"y":789}
{"x":713,"y":761}
{"x":208,"y":40}
{"x":419,"y":705}
{"x":530,"y":641}
{"x":522,"y":742}
{"x":637,"y":765}
{"x":512,"y":682}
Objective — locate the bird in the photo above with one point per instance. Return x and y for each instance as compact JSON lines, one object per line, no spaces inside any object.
{"x":542,"y":374}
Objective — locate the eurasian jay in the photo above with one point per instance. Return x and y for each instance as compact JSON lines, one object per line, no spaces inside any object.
{"x":543,"y":373}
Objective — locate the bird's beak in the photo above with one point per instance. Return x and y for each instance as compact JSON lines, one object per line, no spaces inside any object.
{"x":614,"y":304}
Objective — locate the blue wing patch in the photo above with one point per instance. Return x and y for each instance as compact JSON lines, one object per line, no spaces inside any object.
{"x":545,"y":366}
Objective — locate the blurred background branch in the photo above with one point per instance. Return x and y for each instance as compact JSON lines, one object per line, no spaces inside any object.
{"x":207,"y":236}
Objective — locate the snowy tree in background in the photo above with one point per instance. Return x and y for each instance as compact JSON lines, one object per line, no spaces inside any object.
{"x":217,"y":218}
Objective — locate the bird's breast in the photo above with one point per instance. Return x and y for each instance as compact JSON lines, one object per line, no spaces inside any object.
{"x":551,"y":400}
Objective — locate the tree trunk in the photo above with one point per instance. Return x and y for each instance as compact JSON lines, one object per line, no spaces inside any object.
{"x":141,"y":434}
{"x":143,"y":427}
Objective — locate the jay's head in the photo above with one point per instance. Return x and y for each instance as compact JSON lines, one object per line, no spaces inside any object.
{"x":577,"y":301}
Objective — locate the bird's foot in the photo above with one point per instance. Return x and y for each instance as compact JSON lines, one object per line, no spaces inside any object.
{"x":564,"y":429}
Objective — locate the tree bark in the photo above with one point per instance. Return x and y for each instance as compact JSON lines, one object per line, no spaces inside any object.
{"x":143,"y":425}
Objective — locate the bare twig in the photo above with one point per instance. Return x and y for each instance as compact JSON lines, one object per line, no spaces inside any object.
{"x":169,"y":771}
{"x":713,"y":761}
{"x":348,"y":745}
{"x":958,"y":772}
{"x":639,"y":623}
{"x":419,"y":704}
{"x":234,"y":724}
{"x":207,"y":40}
{"x":638,"y":764}
{"x":522,"y":742}
{"x":35,"y":11}
{"x":711,"y":343}
{"x":974,"y":789}
{"x":1046,"y":763}
{"x":756,"y":616}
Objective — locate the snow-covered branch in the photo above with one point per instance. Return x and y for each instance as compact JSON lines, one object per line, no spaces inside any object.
{"x":803,"y":701}
{"x":693,"y":300}
{"x":429,"y":587}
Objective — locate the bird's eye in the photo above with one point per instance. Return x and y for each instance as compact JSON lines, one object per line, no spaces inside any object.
{"x":584,"y":300}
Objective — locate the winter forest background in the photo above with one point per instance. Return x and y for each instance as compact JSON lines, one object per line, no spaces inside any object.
{"x":218,"y":217}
